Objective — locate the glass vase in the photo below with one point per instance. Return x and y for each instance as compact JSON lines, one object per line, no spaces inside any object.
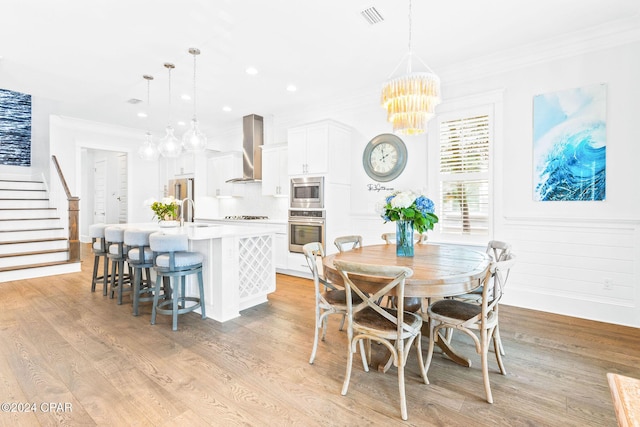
{"x":404,"y":238}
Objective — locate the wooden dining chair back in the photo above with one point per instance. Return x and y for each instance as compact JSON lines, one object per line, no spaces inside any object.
{"x":347,"y":243}
{"x":471,"y":318}
{"x":329,"y":299}
{"x":367,"y":321}
{"x":390,"y":238}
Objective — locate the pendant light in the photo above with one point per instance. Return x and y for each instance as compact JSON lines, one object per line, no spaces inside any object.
{"x":411,"y":98}
{"x":194,"y":140}
{"x":169,"y":146}
{"x":148,"y":150}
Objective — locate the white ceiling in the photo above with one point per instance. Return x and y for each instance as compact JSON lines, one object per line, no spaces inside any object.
{"x":89,"y":55}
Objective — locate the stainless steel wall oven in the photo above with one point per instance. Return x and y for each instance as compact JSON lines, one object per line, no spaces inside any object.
{"x":305,"y":226}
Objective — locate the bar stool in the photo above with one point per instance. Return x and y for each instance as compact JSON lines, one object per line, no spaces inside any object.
{"x":117,"y":253}
{"x":99,"y":248}
{"x":140,"y":259}
{"x":173,"y":261}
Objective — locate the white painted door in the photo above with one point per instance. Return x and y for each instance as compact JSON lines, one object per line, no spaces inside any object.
{"x":122,"y":189}
{"x":99,"y":191}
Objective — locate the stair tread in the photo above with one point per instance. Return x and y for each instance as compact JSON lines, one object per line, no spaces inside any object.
{"x":41,"y":252}
{"x":44,"y":264}
{"x":15,"y":242}
{"x":27,"y":209}
{"x":32,"y":229}
{"x":27,"y":219}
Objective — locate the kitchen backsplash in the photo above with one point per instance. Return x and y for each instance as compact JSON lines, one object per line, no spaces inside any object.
{"x":254,"y":203}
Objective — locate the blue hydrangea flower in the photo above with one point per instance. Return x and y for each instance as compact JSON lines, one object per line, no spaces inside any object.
{"x":424,"y":205}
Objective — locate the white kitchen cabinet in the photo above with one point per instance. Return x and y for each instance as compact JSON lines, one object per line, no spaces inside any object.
{"x":275,"y":180}
{"x":220,"y":169}
{"x":310,"y":146}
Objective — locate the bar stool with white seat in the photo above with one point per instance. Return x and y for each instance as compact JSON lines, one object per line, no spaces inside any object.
{"x":117,"y":253}
{"x":99,"y":248}
{"x":140,"y":259}
{"x":173,"y":260}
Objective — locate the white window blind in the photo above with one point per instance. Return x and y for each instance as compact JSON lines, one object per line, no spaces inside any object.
{"x":464,"y":175}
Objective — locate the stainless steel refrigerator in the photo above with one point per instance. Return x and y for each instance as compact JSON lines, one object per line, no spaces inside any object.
{"x":183,"y":189}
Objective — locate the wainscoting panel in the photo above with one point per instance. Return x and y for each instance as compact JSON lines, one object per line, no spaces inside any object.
{"x":579,"y":268}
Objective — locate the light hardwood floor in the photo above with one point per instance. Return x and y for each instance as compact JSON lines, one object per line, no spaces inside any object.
{"x":62,"y":344}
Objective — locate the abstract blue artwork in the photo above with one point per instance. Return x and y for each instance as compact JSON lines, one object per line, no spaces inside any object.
{"x":570,"y":144}
{"x":15,"y":128}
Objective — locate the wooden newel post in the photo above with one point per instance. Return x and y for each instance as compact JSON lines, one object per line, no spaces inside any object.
{"x":74,"y":241}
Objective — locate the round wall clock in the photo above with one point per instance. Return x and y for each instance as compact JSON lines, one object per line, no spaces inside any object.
{"x":384,"y":157}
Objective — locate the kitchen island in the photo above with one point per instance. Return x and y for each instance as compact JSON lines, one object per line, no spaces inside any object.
{"x":238,"y":267}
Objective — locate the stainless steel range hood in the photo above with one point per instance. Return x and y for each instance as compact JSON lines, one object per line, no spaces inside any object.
{"x":252,"y":140}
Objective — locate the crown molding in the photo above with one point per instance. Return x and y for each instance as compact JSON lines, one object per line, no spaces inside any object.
{"x":593,"y":39}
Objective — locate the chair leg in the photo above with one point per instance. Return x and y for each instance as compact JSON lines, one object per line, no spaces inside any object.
{"x":420,"y":360}
{"x":484,"y":348}
{"x":156,"y":297}
{"x":347,"y":377}
{"x":176,"y":299}
{"x":137,"y":277}
{"x":114,"y":274}
{"x":120,"y":281}
{"x":202,"y":304}
{"x":316,"y":335}
{"x":105,"y":275}
{"x":403,"y":398}
{"x":499,"y":347}
{"x":94,"y":276}
{"x":496,"y":345}
{"x":344,"y":316}
{"x":432,"y":338}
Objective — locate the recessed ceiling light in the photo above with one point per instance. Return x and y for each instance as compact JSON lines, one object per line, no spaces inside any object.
{"x":226,"y":108}
{"x":134,"y":101}
{"x":292,"y":88}
{"x":142,"y":114}
{"x":185,"y":97}
{"x":251,"y":71}
{"x":181,"y":123}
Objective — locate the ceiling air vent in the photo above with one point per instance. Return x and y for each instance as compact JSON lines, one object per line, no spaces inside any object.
{"x":371,"y":15}
{"x":134,"y":101}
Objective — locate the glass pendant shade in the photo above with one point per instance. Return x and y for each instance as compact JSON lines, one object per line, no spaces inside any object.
{"x":148,"y":150}
{"x":170,"y":146}
{"x":194,"y":140}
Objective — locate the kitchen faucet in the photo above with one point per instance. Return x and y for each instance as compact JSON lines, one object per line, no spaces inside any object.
{"x":193,"y":205}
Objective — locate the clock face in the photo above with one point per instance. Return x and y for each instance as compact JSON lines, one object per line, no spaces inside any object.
{"x":384,"y":157}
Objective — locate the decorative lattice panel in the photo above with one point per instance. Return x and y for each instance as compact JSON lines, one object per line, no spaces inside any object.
{"x":256,"y":269}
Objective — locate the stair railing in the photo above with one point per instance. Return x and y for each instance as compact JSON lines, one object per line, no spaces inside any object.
{"x":74,"y":215}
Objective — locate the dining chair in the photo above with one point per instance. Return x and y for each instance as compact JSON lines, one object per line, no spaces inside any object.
{"x":394,"y":328}
{"x":497,"y":250}
{"x":329,"y":299}
{"x":469,"y":317}
{"x":390,"y":238}
{"x":346,"y":243}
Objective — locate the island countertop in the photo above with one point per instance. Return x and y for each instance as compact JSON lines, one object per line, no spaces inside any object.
{"x":204,"y":231}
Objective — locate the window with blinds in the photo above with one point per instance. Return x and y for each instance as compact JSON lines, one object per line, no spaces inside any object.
{"x":464,"y":175}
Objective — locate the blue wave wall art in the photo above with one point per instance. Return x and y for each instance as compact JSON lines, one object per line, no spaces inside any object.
{"x":15,"y":128}
{"x":569,"y":144}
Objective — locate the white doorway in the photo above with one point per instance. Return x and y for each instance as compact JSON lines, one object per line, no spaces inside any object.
{"x":99,"y":191}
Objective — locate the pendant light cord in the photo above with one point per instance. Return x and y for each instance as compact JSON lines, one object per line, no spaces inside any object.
{"x":410,"y":34}
{"x":194,"y":86}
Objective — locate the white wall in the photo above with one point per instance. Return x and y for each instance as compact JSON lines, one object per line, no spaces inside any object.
{"x":566,"y":250}
{"x":70,"y":137}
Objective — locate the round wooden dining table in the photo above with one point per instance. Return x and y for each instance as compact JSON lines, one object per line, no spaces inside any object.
{"x":439,"y":270}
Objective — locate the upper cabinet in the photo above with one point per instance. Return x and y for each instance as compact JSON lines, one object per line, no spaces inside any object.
{"x":275,"y":180}
{"x":221,"y":168}
{"x":321,"y":148}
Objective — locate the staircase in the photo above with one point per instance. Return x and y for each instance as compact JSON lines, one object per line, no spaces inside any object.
{"x":33,"y":238}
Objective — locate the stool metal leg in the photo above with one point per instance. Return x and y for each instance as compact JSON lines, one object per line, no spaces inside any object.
{"x":201,"y":286}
